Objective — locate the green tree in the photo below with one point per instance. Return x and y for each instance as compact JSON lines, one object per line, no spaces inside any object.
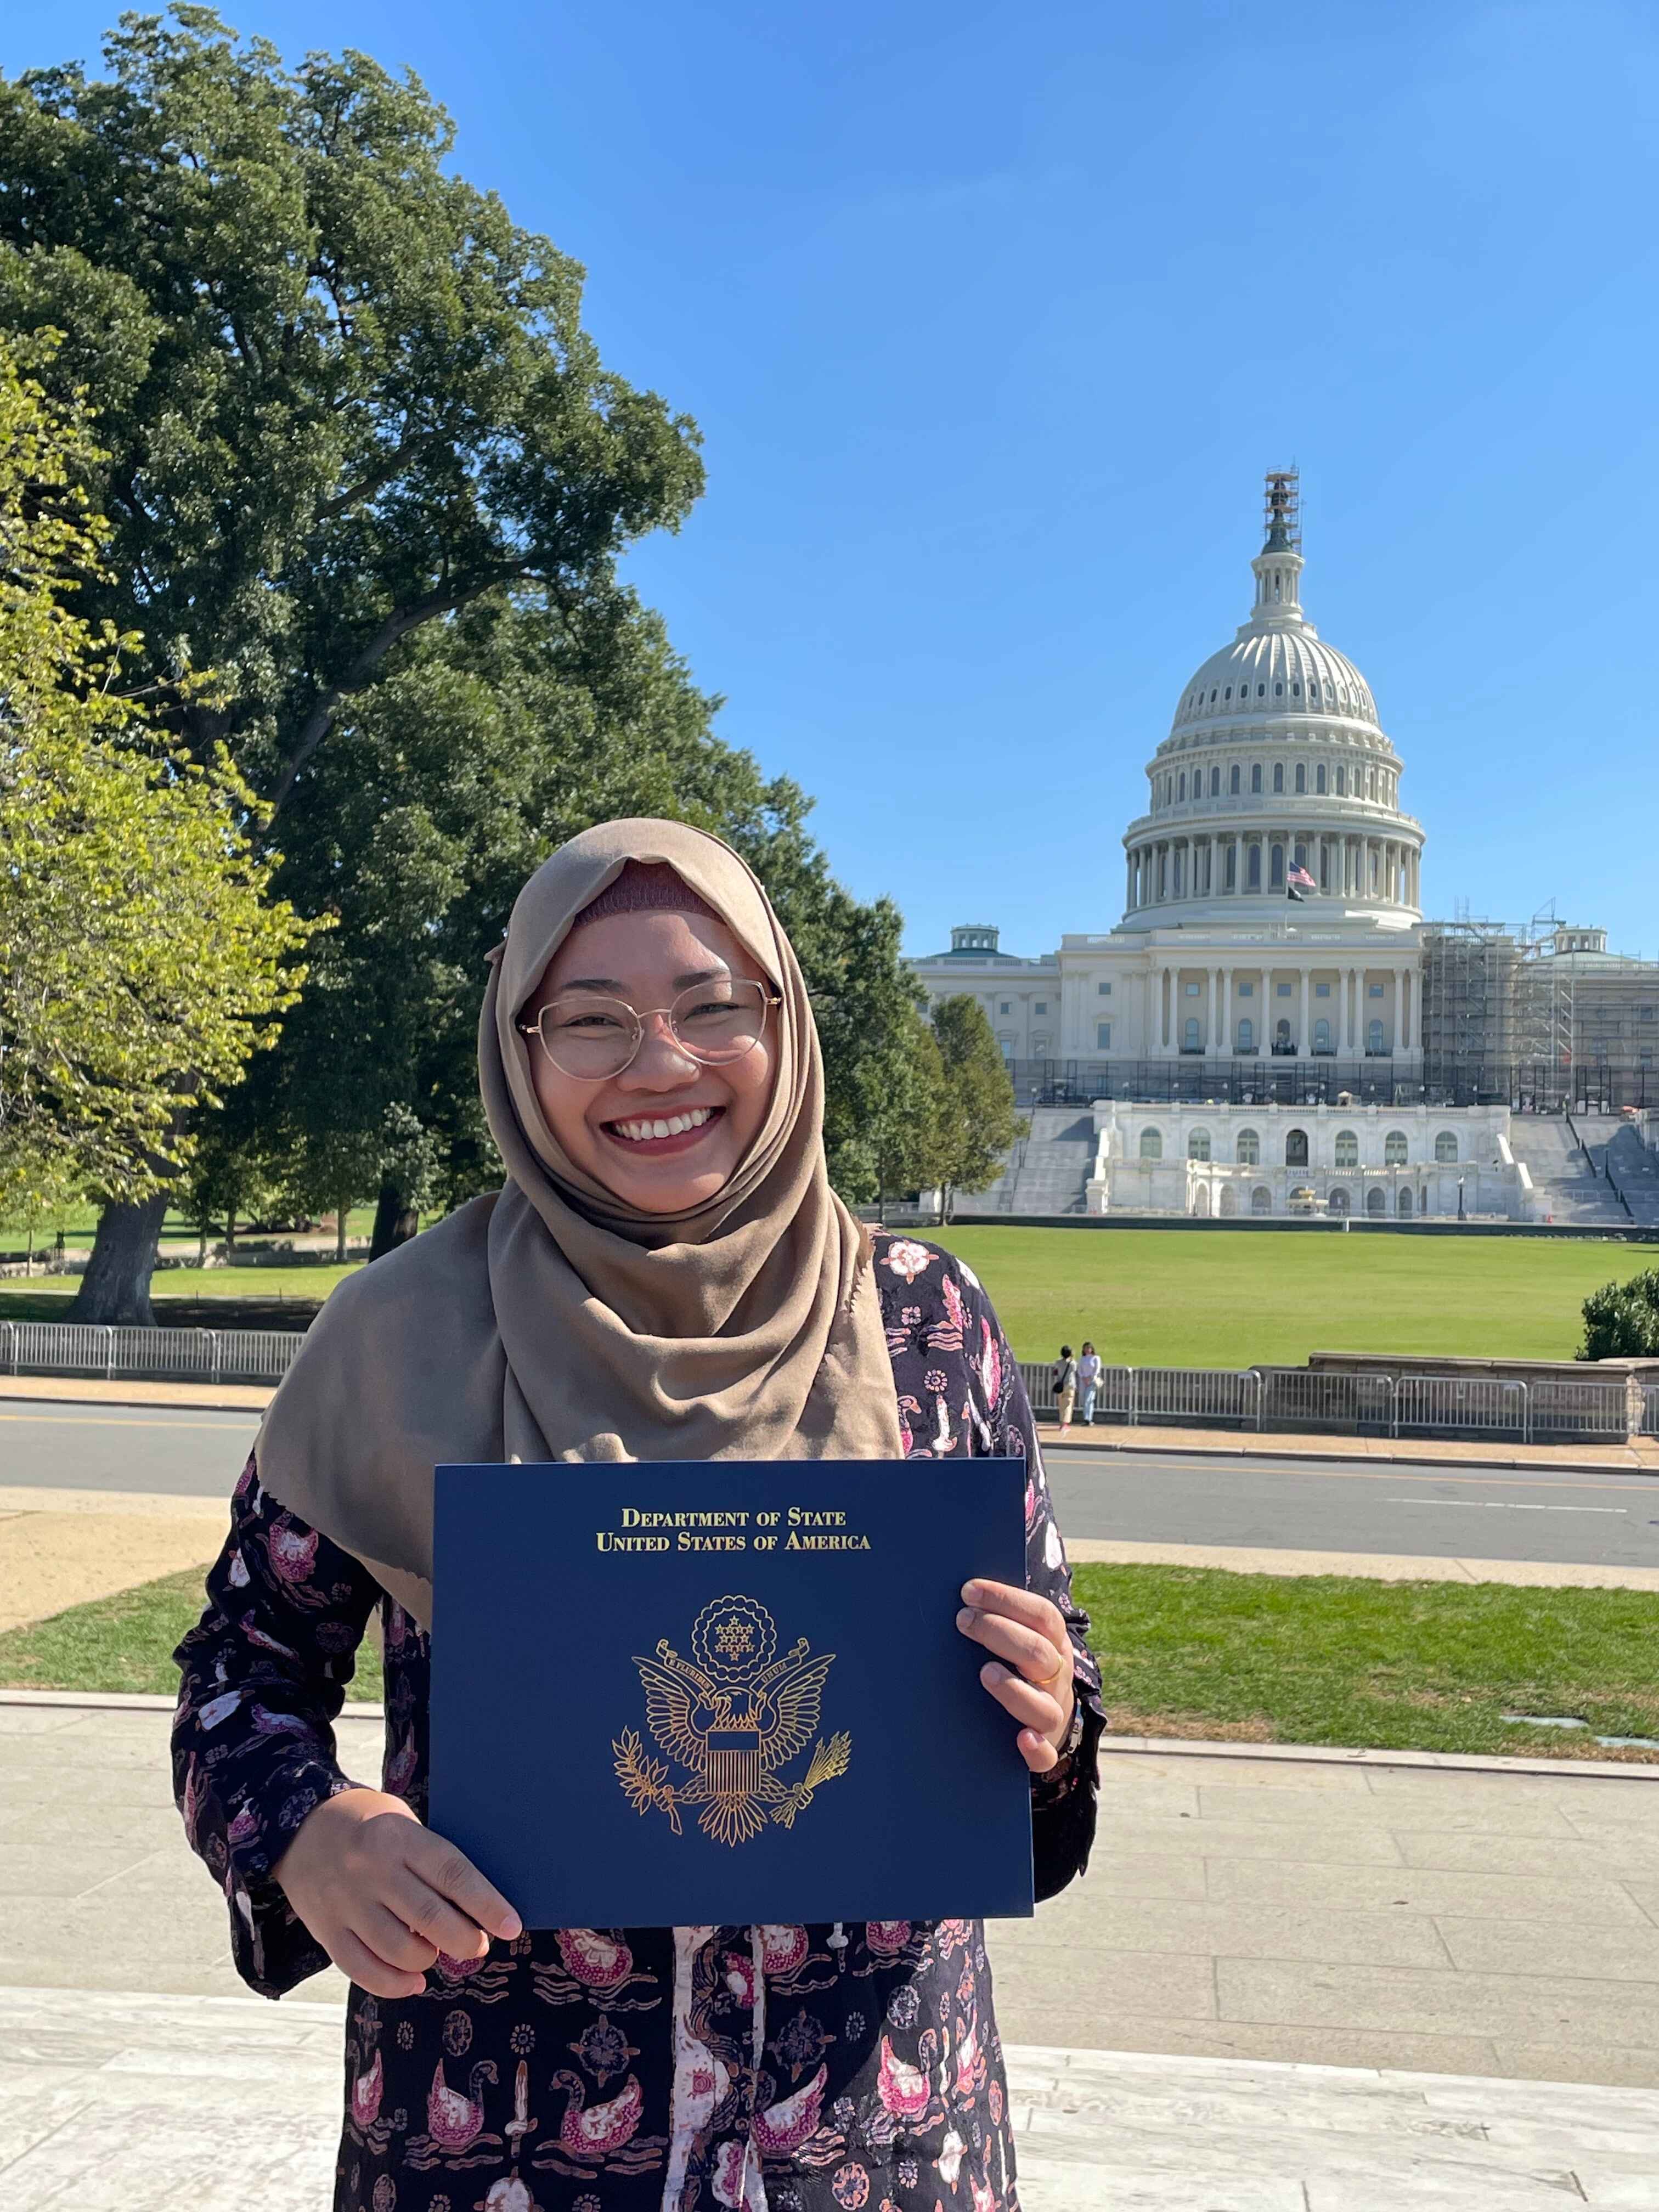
{"x":1621,"y":1320}
{"x":343,"y":396}
{"x":978,"y":1121}
{"x":141,"y":960}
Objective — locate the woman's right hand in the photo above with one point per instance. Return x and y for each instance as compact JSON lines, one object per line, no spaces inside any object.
{"x":383,"y":1895}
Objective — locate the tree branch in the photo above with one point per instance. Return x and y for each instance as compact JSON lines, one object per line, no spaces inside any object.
{"x":366,"y":487}
{"x":399,"y":623}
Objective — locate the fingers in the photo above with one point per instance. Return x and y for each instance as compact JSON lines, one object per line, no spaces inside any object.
{"x":1036,"y":1709}
{"x":452,"y":1875}
{"x":1037,"y":1751}
{"x":358,"y":1963}
{"x":443,"y":1924}
{"x":1027,"y":1606}
{"x":1033,"y":1655}
{"x":378,"y":1928}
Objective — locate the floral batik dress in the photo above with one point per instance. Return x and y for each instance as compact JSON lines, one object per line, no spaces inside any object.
{"x":770,"y":2068}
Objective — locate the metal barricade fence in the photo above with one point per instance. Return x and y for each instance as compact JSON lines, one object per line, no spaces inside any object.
{"x":1578,"y":1410}
{"x":1114,"y":1391}
{"x":1196,"y":1394}
{"x":1650,"y":1411}
{"x":203,"y":1355}
{"x":1318,"y":1398}
{"x":1461,"y":1406}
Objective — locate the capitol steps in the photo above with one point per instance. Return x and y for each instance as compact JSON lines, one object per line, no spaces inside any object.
{"x":1047,"y":1172}
{"x":1565,"y":1182}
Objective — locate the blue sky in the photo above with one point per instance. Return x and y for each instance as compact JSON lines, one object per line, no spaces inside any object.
{"x":993,"y":317}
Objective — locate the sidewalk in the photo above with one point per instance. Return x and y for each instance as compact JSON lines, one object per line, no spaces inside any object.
{"x":1284,"y":1986}
{"x":1641,"y":1457}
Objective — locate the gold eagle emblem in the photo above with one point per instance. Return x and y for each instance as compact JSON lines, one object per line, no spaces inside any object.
{"x":734,"y":1714}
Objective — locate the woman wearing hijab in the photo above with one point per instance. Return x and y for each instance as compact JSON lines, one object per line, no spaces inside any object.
{"x":665,"y":1274}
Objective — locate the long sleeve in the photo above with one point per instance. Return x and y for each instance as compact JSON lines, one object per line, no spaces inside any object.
{"x":263,"y":1678}
{"x":1063,"y":1802}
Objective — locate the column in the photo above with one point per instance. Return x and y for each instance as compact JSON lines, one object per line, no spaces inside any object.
{"x":1128,"y":882}
{"x":1351,"y":1008}
{"x":1209,"y":1024}
{"x":1302,"y":1041}
{"x":1408,"y":1012}
{"x":1227,"y":1011}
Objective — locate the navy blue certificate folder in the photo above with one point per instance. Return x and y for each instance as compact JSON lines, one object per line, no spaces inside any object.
{"x":668,"y":1694}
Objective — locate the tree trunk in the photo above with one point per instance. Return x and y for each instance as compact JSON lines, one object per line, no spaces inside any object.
{"x":116,"y":1286}
{"x":395,"y":1221}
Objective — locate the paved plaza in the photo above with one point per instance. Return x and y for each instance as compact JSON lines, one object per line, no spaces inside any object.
{"x":1286,"y":1985}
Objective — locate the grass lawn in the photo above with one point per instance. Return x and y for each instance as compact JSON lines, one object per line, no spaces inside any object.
{"x":1185,"y":1652}
{"x":1147,"y":1298}
{"x":1395,"y":1666}
{"x":1152,"y":1297}
{"x":126,"y":1643}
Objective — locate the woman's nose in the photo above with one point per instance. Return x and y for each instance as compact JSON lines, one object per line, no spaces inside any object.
{"x":661,"y":1062}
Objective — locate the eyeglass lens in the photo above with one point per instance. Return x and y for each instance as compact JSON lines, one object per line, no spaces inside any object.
{"x":712,"y":1023}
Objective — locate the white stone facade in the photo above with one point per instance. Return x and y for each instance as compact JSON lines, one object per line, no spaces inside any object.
{"x":1275,"y":762}
{"x":1395,"y":1163}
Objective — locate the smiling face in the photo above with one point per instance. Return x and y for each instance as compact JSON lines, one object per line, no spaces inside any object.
{"x":668,"y":1134}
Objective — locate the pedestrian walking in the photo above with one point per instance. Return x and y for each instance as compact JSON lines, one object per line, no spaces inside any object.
{"x":1088,"y":1383}
{"x":1065,"y":1385}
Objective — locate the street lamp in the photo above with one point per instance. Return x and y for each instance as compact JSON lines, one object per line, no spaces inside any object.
{"x":1460,"y":1198}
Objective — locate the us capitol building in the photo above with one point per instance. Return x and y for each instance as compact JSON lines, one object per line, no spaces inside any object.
{"x":1271,"y":1027}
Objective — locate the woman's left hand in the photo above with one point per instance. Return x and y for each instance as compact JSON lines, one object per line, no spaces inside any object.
{"x":1029,"y":1673}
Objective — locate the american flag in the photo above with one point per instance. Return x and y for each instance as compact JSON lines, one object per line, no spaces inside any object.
{"x":1302,"y":879}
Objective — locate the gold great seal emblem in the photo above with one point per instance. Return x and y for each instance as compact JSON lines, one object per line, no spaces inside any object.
{"x":734,"y":1714}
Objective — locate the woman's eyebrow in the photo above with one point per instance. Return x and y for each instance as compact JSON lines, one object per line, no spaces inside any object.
{"x":607,"y":983}
{"x":701,"y":976}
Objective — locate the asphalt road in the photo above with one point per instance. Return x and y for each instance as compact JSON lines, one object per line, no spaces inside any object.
{"x":1288,"y":1504}
{"x":1358,"y":1505}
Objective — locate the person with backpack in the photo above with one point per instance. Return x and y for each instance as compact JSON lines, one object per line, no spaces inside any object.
{"x":1066,"y":1386}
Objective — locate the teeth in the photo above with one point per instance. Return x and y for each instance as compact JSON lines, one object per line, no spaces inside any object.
{"x":639,"y":1133}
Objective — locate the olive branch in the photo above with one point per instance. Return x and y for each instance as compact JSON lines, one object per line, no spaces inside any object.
{"x":645,"y":1780}
{"x":828,"y":1761}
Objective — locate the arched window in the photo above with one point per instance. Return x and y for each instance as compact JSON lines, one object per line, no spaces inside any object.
{"x":1182,"y":791}
{"x":1255,"y":776}
{"x":1338,"y":1200}
{"x":1189,"y":1035}
{"x":1254,"y":873}
{"x":1201,"y":1200}
{"x":1261,"y":1199}
{"x":1246,"y":1035}
{"x":1232,"y":781}
{"x":1319,"y":778}
{"x":1296,"y":1148}
{"x":1233,"y":862}
{"x":1445,"y":1147}
{"x":1374,"y":1037}
{"x":1198,"y":1145}
{"x":1215,"y":783}
{"x":1394,"y":1149}
{"x":1376,"y":1200}
{"x":1404,"y":1200}
{"x":1279,"y":776}
{"x":1341,"y":783}
{"x":1247,"y":1150}
{"x":1347,"y":1149}
{"x":1321,"y":1034}
{"x":1301,"y":776}
{"x":1276,"y":868}
{"x":1282,"y":1035}
{"x":1151,"y":1144}
{"x":1229,"y":1200}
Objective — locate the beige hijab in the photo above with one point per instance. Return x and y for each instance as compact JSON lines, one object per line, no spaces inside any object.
{"x":552,"y":1322}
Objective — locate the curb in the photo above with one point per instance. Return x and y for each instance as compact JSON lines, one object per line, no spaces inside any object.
{"x":1456,"y":1762}
{"x":8,"y":1398}
{"x":1054,"y":1442}
{"x":1131,"y":1746}
{"x":144,"y":1701}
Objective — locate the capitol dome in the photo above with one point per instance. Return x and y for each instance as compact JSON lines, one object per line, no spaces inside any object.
{"x":1276,"y":769}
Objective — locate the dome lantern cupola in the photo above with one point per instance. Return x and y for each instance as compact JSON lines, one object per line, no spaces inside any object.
{"x":1278,"y":564}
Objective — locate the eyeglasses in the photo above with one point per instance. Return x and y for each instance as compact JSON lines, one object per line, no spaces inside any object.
{"x":592,"y":1039}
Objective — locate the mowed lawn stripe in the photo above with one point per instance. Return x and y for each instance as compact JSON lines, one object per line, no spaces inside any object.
{"x":1150,"y":1297}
